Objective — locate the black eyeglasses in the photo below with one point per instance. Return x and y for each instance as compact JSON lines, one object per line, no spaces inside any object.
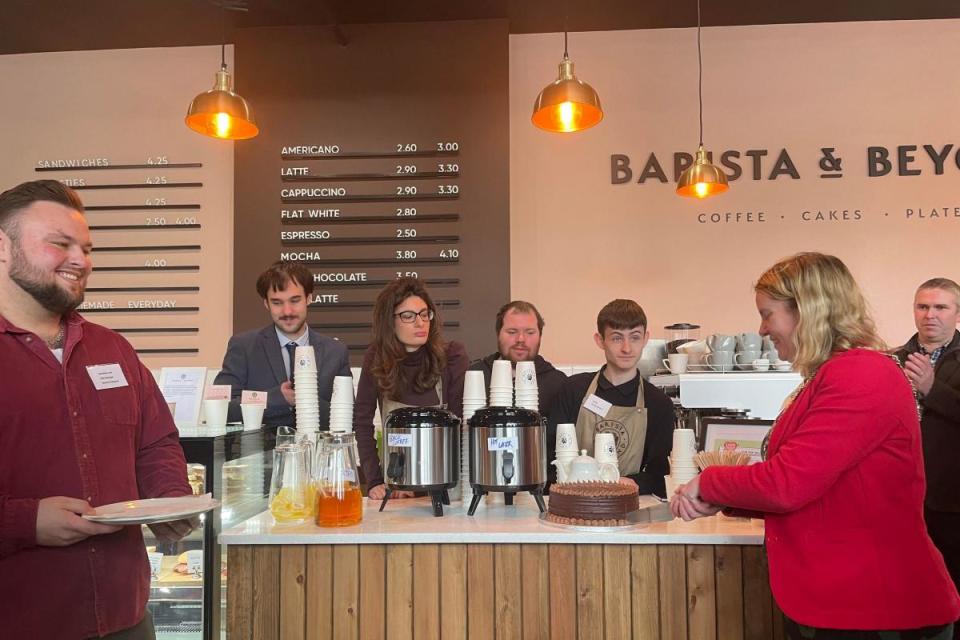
{"x":409,"y":317}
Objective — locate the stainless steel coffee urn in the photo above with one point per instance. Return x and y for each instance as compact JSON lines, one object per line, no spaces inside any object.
{"x":421,"y":452}
{"x":508,"y":454}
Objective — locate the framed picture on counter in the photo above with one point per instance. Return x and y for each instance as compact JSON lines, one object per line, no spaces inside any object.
{"x":736,"y":435}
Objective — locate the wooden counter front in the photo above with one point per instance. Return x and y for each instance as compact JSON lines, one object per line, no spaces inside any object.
{"x":706,"y":586}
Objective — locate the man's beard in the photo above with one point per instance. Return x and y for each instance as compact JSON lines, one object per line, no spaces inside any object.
{"x":49,"y":295}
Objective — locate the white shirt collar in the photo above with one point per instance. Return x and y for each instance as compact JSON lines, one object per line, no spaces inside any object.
{"x":302,"y":341}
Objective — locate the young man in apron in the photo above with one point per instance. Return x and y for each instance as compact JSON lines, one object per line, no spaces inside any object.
{"x":617,"y":400}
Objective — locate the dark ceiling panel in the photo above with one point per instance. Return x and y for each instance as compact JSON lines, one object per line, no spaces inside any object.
{"x":70,"y":25}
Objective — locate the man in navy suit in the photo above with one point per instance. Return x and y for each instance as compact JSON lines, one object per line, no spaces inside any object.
{"x":260,"y":360}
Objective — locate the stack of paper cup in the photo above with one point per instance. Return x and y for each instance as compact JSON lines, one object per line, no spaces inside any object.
{"x":682,"y":466}
{"x":566,"y":448}
{"x":605,"y":452}
{"x":501,"y":384}
{"x":474,"y":398}
{"x":527,"y":395}
{"x":341,"y":405}
{"x":305,"y":386}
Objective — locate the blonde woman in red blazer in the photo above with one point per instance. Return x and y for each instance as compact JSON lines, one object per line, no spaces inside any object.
{"x":841,"y":489}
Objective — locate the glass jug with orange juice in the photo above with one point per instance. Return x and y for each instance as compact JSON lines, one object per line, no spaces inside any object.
{"x":338,"y":499}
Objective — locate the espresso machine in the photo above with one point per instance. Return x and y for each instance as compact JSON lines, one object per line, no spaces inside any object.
{"x":733,"y":396}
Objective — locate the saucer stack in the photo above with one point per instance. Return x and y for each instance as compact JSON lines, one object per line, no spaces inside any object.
{"x":683,"y":467}
{"x":341,"y":405}
{"x":501,"y":384}
{"x":527,"y":395}
{"x":305,"y":386}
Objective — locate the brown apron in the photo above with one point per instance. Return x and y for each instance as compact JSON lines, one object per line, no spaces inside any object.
{"x":627,"y":424}
{"x":387,"y":406}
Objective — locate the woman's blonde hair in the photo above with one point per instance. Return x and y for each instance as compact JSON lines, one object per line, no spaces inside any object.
{"x":834,"y":315}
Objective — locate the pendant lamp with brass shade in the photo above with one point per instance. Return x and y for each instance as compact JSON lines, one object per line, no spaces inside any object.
{"x":568,"y":104}
{"x":702,"y":179}
{"x":221,"y":113}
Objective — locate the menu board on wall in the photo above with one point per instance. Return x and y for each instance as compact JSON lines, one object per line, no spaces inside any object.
{"x":157,"y":195}
{"x":365,"y":176}
{"x":145,"y":221}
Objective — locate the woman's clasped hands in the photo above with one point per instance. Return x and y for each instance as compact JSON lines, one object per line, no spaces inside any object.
{"x":686,"y":503}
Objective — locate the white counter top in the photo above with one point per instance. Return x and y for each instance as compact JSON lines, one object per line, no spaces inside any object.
{"x":411,"y":521}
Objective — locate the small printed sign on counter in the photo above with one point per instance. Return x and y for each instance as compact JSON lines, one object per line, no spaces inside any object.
{"x":252,"y":397}
{"x":195,"y":562}
{"x":217,"y":392}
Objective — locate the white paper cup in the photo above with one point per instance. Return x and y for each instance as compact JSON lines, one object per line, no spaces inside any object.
{"x":342,"y":389}
{"x":605,"y":448}
{"x":215,"y":412}
{"x":501,"y":376}
{"x":526,"y":375}
{"x":684,"y":440}
{"x":473,"y":387}
{"x":567,"y":438}
{"x":252,"y":415}
{"x":306,"y":359}
{"x":670,"y":486}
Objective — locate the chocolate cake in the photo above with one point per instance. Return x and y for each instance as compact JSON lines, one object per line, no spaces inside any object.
{"x":595,"y":504}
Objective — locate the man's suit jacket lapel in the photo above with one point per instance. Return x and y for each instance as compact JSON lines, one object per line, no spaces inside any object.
{"x":271,"y":350}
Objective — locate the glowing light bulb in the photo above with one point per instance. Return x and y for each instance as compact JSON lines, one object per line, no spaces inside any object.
{"x":702,"y":189}
{"x":567,"y":116}
{"x":222,"y":123}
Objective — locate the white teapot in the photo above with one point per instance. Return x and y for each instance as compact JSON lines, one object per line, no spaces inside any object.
{"x":585,"y":468}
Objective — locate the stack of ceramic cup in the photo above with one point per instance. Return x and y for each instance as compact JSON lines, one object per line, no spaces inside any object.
{"x":527,"y":396}
{"x":566,"y":448}
{"x":341,"y":405}
{"x":501,"y":384}
{"x":721,"y":356}
{"x":683,"y":468}
{"x":474,"y":398}
{"x":305,"y":385}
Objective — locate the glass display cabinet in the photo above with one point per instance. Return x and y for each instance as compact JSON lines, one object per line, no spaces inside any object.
{"x":189,"y":578}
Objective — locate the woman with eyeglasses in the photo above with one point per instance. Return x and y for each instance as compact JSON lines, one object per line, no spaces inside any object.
{"x":408,"y":364}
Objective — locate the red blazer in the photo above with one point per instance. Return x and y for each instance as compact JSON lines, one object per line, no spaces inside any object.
{"x":842,"y":496}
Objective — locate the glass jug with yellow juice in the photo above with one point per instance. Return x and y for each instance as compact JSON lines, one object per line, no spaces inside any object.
{"x":338,"y":499}
{"x":291,"y":492}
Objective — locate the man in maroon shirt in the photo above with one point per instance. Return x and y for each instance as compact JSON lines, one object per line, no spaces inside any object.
{"x":82,"y":424}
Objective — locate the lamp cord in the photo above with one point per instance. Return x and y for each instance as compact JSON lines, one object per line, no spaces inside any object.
{"x":565,"y":43}
{"x":223,"y":35}
{"x":700,"y":72}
